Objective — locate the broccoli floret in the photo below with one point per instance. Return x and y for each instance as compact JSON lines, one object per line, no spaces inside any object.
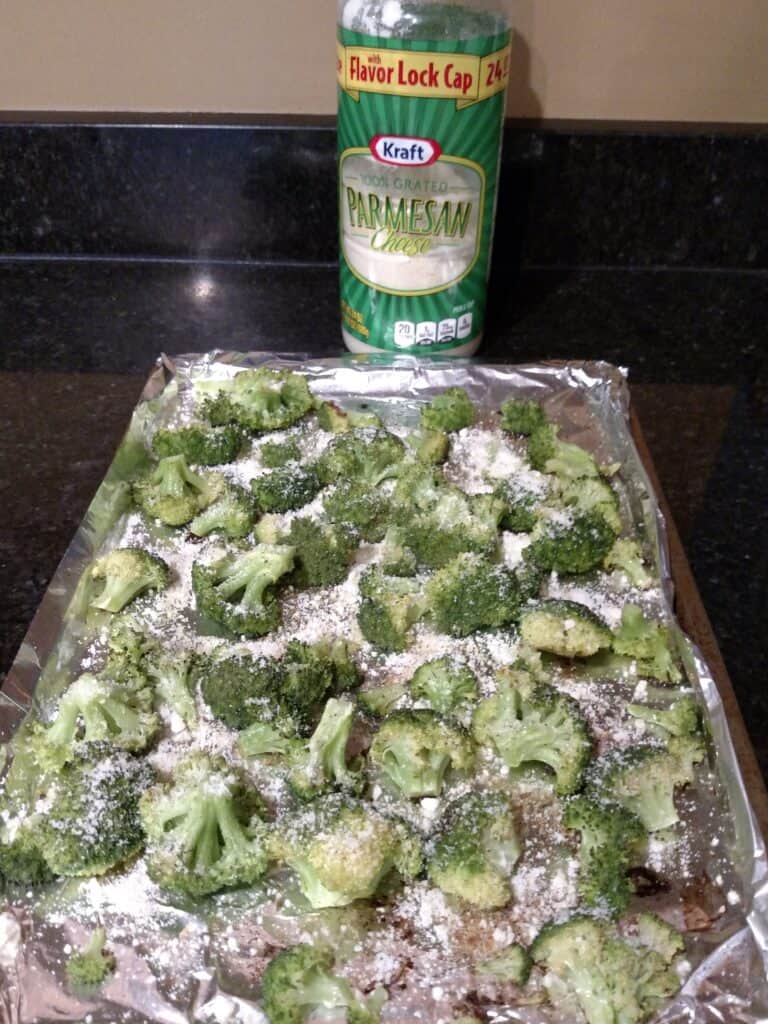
{"x":476,"y":849}
{"x":396,"y":558}
{"x":300,"y":980}
{"x":115,"y":579}
{"x":366,"y":457}
{"x":682,"y":718}
{"x":449,"y":411}
{"x":322,"y":762}
{"x":454,"y":523}
{"x":200,"y":445}
{"x":444,"y":685}
{"x":471,"y":593}
{"x":232,"y":514}
{"x":129,"y":652}
{"x":204,"y":831}
{"x":610,"y":980}
{"x":523,"y":498}
{"x":569,"y":542}
{"x":324,"y":551}
{"x":651,"y":932}
{"x":171,"y":676}
{"x":259,"y":400}
{"x":363,"y":507}
{"x":626,"y":556}
{"x":262,"y":739}
{"x":519,"y":416}
{"x":343,"y":850}
{"x":340,"y":656}
{"x":92,"y":821}
{"x":548,"y":454}
{"x":274,"y":454}
{"x":565,"y":628}
{"x":526,"y":722}
{"x":390,"y":605}
{"x":333,"y":418}
{"x":93,"y":964}
{"x":610,"y":840}
{"x":239,"y":592}
{"x":381,"y":700}
{"x":643,"y":779}
{"x":172,"y":493}
{"x":429,"y":446}
{"x":288,"y":487}
{"x":511,"y":964}
{"x":648,"y":643}
{"x":588,"y":494}
{"x":415,"y":750}
{"x":21,"y":859}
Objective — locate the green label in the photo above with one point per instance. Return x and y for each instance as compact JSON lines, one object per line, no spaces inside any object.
{"x":419,"y":135}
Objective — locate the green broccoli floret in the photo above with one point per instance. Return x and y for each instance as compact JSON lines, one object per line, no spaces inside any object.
{"x":644,"y":779}
{"x":92,"y":821}
{"x":366,"y":457}
{"x":324,"y":551}
{"x":390,"y":605}
{"x":129,"y":652}
{"x":340,"y":656}
{"x":171,"y":676}
{"x":200,"y":445}
{"x":588,"y":494}
{"x":511,"y":964}
{"x":204,"y":829}
{"x":334,"y":419}
{"x":300,"y":981}
{"x":682,"y":718}
{"x":610,"y":840}
{"x":343,"y":850}
{"x":382,"y":699}
{"x":565,"y":628}
{"x":444,"y":684}
{"x":259,"y":400}
{"x":415,"y":750}
{"x":548,"y":454}
{"x":429,"y":446}
{"x":648,"y":643}
{"x":288,"y":487}
{"x":452,"y":524}
{"x":396,"y":558}
{"x":172,"y":493}
{"x":364,"y":508}
{"x":526,"y":722}
{"x":232,"y":514}
{"x":523,"y":498}
{"x":21,"y":860}
{"x":93,"y":964}
{"x":238,"y":592}
{"x":627,"y":557}
{"x":449,"y":411}
{"x":475,"y":851}
{"x":609,"y":979}
{"x":569,"y":542}
{"x":321,"y":763}
{"x":521,"y":416}
{"x":262,"y":739}
{"x":274,"y":454}
{"x":651,"y":932}
{"x":471,"y":593}
{"x":115,"y":579}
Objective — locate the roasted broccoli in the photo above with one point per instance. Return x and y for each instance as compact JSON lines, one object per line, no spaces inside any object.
{"x":259,"y":400}
{"x":366,"y":457}
{"x":682,"y":718}
{"x":449,"y":411}
{"x":548,"y":454}
{"x":238,"y":592}
{"x":172,"y":493}
{"x":274,"y":454}
{"x":232,"y":513}
{"x":324,"y":551}
{"x":523,"y":499}
{"x":476,"y":850}
{"x":129,"y":652}
{"x":415,"y":750}
{"x":204,"y":830}
{"x":627,"y":557}
{"x":588,"y":494}
{"x":382,"y":699}
{"x":450,"y":525}
{"x":336,"y":420}
{"x":288,"y":487}
{"x":93,"y":964}
{"x":361,"y":506}
{"x":396,"y":558}
{"x":566,"y":628}
{"x":521,"y":416}
{"x":390,"y":605}
{"x":611,"y":837}
{"x":444,"y":684}
{"x":526,"y":722}
{"x":171,"y":676}
{"x":569,"y":542}
{"x":321,"y":763}
{"x":649,"y":643}
{"x":429,"y":446}
{"x":21,"y":859}
{"x":511,"y":964}
{"x":115,"y":579}
{"x":340,"y":656}
{"x":343,"y":850}
{"x":651,"y":932}
{"x":471,"y":593}
{"x":200,"y":445}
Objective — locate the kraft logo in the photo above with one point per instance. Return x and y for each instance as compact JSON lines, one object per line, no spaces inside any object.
{"x":405,"y":150}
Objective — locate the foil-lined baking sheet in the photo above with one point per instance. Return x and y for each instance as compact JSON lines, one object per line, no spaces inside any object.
{"x":201,"y":968}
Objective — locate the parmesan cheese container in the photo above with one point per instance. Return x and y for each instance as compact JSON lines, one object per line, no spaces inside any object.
{"x":422,"y":89}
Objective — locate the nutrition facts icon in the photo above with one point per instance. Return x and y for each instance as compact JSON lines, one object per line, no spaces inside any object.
{"x":405,"y":333}
{"x":446,"y":329}
{"x":464,"y":325}
{"x":426,"y":332}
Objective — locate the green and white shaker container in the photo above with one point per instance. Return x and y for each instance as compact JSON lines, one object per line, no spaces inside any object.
{"x":422,"y":89}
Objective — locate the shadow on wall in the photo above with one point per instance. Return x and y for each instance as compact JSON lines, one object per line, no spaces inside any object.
{"x":522,"y":100}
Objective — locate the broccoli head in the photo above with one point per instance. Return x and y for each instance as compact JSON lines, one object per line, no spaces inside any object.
{"x":279,"y":453}
{"x":471,"y":593}
{"x":324,"y":551}
{"x":93,"y":964}
{"x":565,"y":628}
{"x":548,"y":454}
{"x":334,"y":419}
{"x":199,"y":444}
{"x":525,"y":722}
{"x":569,"y":542}
{"x":259,"y":400}
{"x":285,"y":488}
{"x":321,"y":763}
{"x":511,"y":964}
{"x":649,"y":643}
{"x":682,"y":718}
{"x":340,"y":656}
{"x":172,"y":493}
{"x":475,"y":851}
{"x":521,"y":416}
{"x":611,"y":837}
{"x":415,"y":750}
{"x":112,"y":581}
{"x":204,"y":831}
{"x":21,"y":860}
{"x":453,"y":523}
{"x":343,"y":850}
{"x":171,"y":676}
{"x":129,"y":652}
{"x":651,"y":932}
{"x":364,"y":508}
{"x":238,"y":592}
{"x":396,"y":558}
{"x":429,"y":446}
{"x":444,"y":684}
{"x":627,"y":557}
{"x":367,"y":457}
{"x":390,"y":605}
{"x":232,"y":514}
{"x":382,"y":699}
{"x":523,"y":498}
{"x":588,"y":494}
{"x":449,"y":411}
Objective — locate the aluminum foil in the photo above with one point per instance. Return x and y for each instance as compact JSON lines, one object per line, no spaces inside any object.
{"x":195,"y":974}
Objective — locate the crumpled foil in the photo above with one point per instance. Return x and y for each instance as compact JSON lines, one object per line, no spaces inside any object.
{"x":193,"y":978}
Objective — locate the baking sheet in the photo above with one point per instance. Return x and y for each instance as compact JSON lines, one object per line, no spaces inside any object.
{"x":196,"y":974}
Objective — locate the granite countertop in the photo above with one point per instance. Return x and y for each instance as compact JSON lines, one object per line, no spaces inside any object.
{"x":80,"y":336}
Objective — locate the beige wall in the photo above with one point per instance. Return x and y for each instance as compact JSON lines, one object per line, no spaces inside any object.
{"x":677,"y":60}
